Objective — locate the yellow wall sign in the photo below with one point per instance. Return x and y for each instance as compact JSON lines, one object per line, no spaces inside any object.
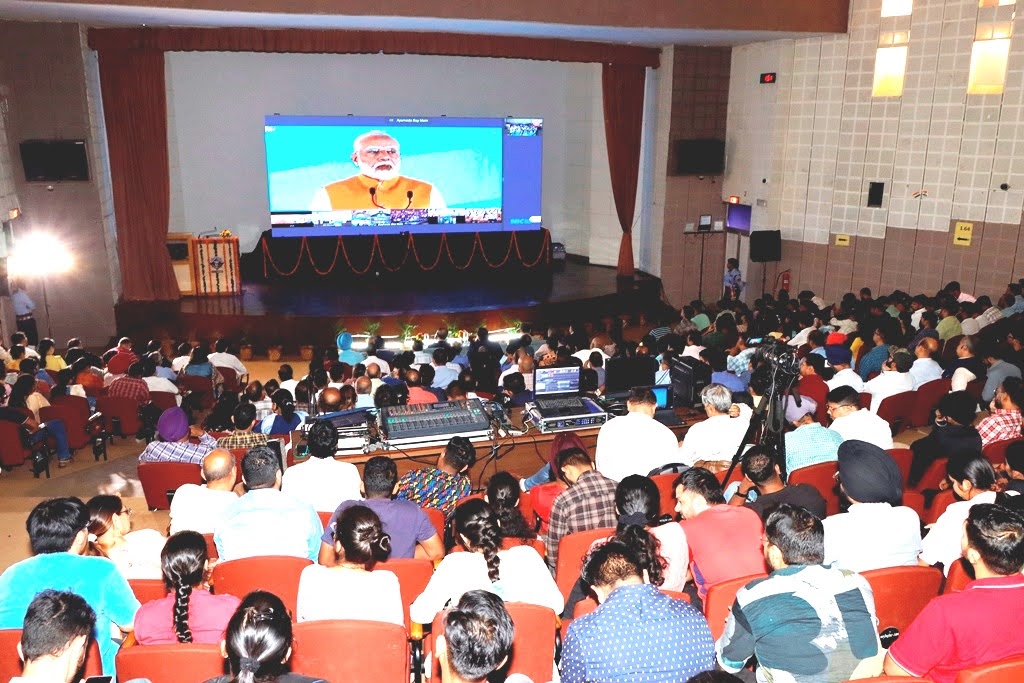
{"x":842,"y":240}
{"x":962,"y":234}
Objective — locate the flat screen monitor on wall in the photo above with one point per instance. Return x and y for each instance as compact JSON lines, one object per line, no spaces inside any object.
{"x":737,"y":217}
{"x":347,"y":175}
{"x":703,"y":156}
{"x":54,"y":160}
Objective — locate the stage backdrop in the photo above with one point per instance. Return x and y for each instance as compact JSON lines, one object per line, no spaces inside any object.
{"x":216,"y":103}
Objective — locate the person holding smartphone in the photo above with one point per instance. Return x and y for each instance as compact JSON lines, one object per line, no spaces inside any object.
{"x":55,"y":637}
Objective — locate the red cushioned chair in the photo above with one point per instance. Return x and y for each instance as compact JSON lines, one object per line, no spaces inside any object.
{"x":10,"y":663}
{"x":169,"y":663}
{"x":230,"y":378}
{"x":571,"y":551}
{"x":821,"y":476}
{"x":932,"y":476}
{"x":960,"y":574}
{"x":74,"y":425}
{"x":159,"y":478}
{"x":148,"y":590}
{"x":1003,"y":671}
{"x":995,"y":452}
{"x":542,"y":499}
{"x":413,"y":577}
{"x":903,"y":457}
{"x":352,"y":651}
{"x":939,"y":504}
{"x":667,"y":492}
{"x":915,"y":501}
{"x":949,"y":349}
{"x":124,"y":410}
{"x":211,"y":547}
{"x":163,"y":400}
{"x":325,"y":518}
{"x":719,"y":600}
{"x":895,"y":409}
{"x":533,"y":647}
{"x":901,"y":593}
{"x":892,"y":679}
{"x":865,"y":400}
{"x":275,"y":573}
{"x":12,"y":451}
{"x":511,"y":542}
{"x":926,"y":397}
{"x":202,"y":386}
{"x":79,"y":404}
{"x":437,"y":518}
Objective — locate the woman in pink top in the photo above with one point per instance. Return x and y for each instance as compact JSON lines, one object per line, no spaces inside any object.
{"x":190,"y":614}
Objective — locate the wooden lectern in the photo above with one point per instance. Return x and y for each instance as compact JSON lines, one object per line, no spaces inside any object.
{"x":215,"y":266}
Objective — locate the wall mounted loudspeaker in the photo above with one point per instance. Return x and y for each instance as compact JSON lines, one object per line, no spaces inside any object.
{"x":765,"y":246}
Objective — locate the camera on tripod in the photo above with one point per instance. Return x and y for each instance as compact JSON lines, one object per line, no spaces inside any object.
{"x":783,"y":361}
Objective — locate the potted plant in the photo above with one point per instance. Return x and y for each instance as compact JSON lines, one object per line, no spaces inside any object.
{"x":274,"y":352}
{"x":371,"y":327}
{"x":406,"y":330}
{"x":245,"y":350}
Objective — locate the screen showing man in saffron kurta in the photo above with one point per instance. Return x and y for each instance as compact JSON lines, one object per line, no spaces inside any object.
{"x":386,"y":175}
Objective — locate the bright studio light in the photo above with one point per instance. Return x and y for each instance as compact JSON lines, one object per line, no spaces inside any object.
{"x":39,"y":254}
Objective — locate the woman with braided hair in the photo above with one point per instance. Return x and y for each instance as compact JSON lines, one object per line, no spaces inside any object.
{"x":351,"y":588}
{"x":516,"y":575}
{"x":190,"y":614}
{"x":258,"y":643}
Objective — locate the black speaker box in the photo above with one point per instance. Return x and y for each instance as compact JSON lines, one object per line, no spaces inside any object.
{"x":765,"y":246}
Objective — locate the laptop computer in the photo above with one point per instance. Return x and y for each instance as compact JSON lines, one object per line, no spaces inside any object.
{"x":665,"y":413}
{"x":556,"y":391}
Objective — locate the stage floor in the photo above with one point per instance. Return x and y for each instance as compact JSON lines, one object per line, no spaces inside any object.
{"x":281,"y":313}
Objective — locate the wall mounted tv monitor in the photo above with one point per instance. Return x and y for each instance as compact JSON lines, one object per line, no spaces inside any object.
{"x":737,"y":217}
{"x":346,"y":175}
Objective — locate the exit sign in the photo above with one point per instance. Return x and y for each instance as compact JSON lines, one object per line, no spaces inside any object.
{"x":768,"y":78}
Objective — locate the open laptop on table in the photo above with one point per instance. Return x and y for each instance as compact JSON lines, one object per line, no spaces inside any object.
{"x":556,"y":391}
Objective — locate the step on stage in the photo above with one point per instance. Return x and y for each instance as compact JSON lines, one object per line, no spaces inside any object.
{"x":294,"y":312}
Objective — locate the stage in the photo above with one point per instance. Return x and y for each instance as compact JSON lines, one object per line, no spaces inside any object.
{"x":292,"y":313}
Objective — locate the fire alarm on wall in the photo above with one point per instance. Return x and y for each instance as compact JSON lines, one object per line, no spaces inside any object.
{"x":768,"y":78}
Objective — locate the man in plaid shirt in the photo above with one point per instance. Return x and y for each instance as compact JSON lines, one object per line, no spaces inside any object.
{"x":588,"y":503}
{"x":1004,"y":420}
{"x":131,"y":385}
{"x":243,"y":418}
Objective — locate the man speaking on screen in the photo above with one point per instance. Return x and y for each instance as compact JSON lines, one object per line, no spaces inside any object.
{"x":379,"y":184}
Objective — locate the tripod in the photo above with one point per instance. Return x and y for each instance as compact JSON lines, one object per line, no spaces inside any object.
{"x":768,"y":420}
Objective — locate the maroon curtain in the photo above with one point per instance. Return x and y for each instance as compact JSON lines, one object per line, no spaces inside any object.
{"x":135,"y":111}
{"x":623,"y":88}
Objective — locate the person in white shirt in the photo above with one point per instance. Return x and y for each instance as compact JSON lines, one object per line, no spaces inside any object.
{"x":925,"y":368}
{"x":973,"y":480}
{"x":266,"y":521}
{"x":443,"y":375}
{"x":201,"y":508}
{"x":352,"y":588}
{"x":894,"y":379}
{"x":876,"y":531}
{"x":693,"y":345}
{"x":718,"y":437}
{"x":55,"y":636}
{"x":155,"y":383}
{"x":322,"y":481}
{"x":286,"y":376}
{"x":635,"y":443}
{"x":184,"y":356}
{"x":223,"y":358}
{"x":840,"y":357}
{"x":853,"y":422}
{"x":518,"y":574}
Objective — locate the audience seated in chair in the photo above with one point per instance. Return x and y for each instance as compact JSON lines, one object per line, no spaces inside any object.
{"x":477,"y":640}
{"x":611,"y":643}
{"x":518,"y":573}
{"x":443,"y":486}
{"x":58,"y":533}
{"x":175,"y":443}
{"x":265,"y":521}
{"x":243,"y":419}
{"x":351,"y":588}
{"x":320,"y":480}
{"x":588,"y":502}
{"x":762,"y":475}
{"x":200,"y":508}
{"x":409,"y":528}
{"x":769,"y":619}
{"x":189,"y":613}
{"x":55,"y":637}
{"x":875,"y":531}
{"x":980,"y":624}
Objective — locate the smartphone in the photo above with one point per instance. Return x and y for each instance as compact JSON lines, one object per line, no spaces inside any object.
{"x":100,"y":679}
{"x":755,"y":340}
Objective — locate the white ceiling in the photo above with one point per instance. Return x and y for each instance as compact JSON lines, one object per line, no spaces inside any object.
{"x":119,"y":15}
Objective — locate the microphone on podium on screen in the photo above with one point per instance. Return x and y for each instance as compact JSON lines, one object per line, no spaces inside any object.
{"x":409,"y":195}
{"x":373,"y":197}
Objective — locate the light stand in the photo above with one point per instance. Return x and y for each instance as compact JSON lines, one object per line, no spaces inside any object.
{"x":703,"y":231}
